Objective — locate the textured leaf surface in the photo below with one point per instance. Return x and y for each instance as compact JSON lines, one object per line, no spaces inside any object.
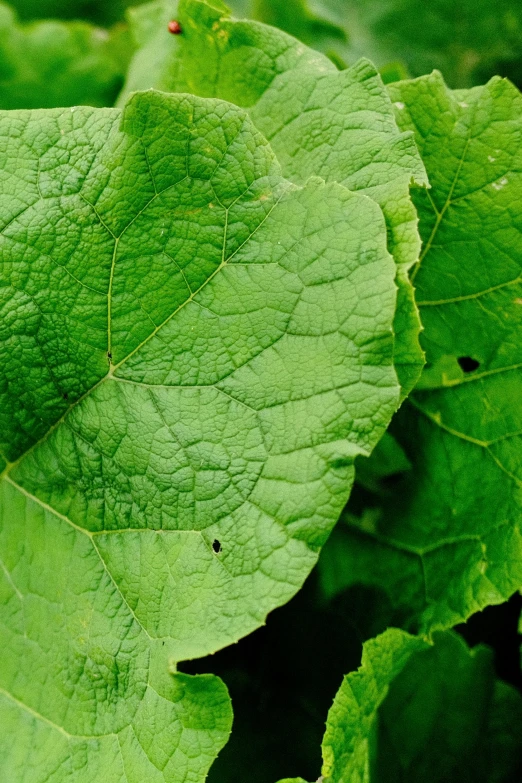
{"x":48,"y":64}
{"x":337,"y":125}
{"x":182,"y":400}
{"x":454,"y":523}
{"x":415,"y":711}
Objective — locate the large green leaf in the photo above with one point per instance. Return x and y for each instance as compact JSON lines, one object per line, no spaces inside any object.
{"x":193,"y":352}
{"x":338,"y":125}
{"x":449,"y":542}
{"x":214,"y":56}
{"x":415,"y":711}
{"x":48,"y":64}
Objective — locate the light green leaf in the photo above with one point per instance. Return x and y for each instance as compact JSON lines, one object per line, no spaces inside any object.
{"x":292,"y":780}
{"x":417,"y":711}
{"x":341,"y":126}
{"x":337,"y":125}
{"x":215,"y":56}
{"x":454,"y":522}
{"x":48,"y":64}
{"x":349,"y":740}
{"x":193,"y":352}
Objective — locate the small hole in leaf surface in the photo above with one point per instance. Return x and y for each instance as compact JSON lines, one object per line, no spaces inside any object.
{"x":174,"y":27}
{"x":216,"y":546}
{"x":467,"y":364}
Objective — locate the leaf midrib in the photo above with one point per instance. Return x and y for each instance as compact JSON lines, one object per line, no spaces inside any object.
{"x":114,"y":367}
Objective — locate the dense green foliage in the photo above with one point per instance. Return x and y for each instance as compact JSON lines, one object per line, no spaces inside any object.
{"x":260,"y":313}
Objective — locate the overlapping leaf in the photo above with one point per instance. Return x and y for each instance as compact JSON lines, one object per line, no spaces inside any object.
{"x":48,"y":64}
{"x":307,"y":21}
{"x":337,"y":125}
{"x":449,"y":542}
{"x":193,"y":351}
{"x":417,"y":711}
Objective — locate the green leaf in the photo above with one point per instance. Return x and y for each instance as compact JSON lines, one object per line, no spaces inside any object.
{"x":349,"y":740}
{"x":468,"y":41}
{"x":292,"y":780}
{"x":417,"y":711}
{"x":48,"y":64}
{"x":504,"y":731}
{"x":193,"y":352}
{"x":338,"y":125}
{"x":454,"y":522}
{"x":306,"y":21}
{"x":386,"y":461}
{"x":215,"y":56}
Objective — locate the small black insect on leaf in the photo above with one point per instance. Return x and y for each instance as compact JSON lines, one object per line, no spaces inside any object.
{"x":109,"y":355}
{"x":65,"y":396}
{"x":174,"y":27}
{"x":216,"y":546}
{"x":467,"y":364}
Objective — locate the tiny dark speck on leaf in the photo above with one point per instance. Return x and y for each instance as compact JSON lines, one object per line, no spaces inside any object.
{"x":109,"y":355}
{"x":467,"y":364}
{"x":216,"y":546}
{"x":174,"y":27}
{"x":65,"y":396}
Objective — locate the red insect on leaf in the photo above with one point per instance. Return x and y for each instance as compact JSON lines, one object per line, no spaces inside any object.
{"x":174,"y":27}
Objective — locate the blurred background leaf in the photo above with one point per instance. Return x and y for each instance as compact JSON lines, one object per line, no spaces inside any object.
{"x":54,"y":63}
{"x":100,"y":11}
{"x":469,"y":41}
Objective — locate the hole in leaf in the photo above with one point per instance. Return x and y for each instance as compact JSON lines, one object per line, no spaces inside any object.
{"x":467,"y":364}
{"x":216,"y":546}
